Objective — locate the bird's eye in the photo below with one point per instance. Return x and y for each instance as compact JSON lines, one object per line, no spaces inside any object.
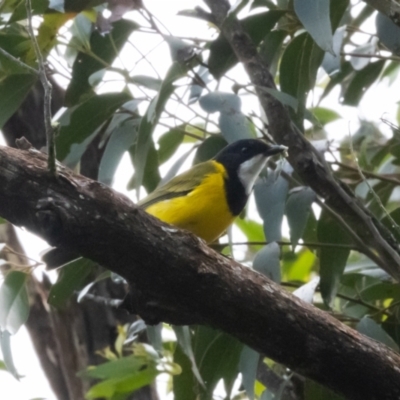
{"x":245,"y":150}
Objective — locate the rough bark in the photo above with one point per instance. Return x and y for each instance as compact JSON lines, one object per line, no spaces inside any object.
{"x":177,"y":278}
{"x":375,"y":239}
{"x":65,"y":341}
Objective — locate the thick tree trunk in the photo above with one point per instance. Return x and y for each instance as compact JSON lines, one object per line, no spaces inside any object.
{"x":180,"y":280}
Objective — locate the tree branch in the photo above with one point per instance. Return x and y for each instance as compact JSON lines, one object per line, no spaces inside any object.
{"x":180,"y":280}
{"x":305,"y":159}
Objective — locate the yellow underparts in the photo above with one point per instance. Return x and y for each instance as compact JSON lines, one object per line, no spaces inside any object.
{"x":204,"y":211}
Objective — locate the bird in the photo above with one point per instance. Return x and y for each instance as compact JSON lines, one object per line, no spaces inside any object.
{"x":207,"y":198}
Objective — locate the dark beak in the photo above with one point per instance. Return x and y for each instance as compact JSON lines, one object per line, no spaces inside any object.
{"x":276,"y":149}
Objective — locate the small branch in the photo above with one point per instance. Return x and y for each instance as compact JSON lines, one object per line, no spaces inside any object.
{"x":371,"y":189}
{"x":19,"y":62}
{"x":304,"y":244}
{"x":50,"y":133}
{"x":394,"y":58}
{"x":368,"y":174}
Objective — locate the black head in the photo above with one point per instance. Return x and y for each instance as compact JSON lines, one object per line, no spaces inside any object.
{"x":235,"y":154}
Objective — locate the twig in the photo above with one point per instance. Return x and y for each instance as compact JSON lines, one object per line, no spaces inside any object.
{"x":394,"y":58}
{"x":344,"y":297}
{"x":368,"y":174}
{"x":50,"y":131}
{"x":19,"y":62}
{"x":304,"y":244}
{"x":371,"y":189}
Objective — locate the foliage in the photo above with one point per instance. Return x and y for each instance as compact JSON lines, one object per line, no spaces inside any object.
{"x":193,"y":111}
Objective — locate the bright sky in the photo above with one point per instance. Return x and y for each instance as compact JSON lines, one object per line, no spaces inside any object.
{"x":380,"y":101}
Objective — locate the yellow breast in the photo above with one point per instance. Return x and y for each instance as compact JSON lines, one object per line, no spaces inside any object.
{"x":204,"y":211}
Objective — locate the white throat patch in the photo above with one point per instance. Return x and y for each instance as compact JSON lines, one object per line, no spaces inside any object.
{"x":249,"y":171}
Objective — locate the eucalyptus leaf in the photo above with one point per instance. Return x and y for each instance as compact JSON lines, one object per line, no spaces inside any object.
{"x":248,"y":366}
{"x":150,"y":120}
{"x":332,"y":260}
{"x":14,"y":302}
{"x":331,"y":62}
{"x":13,"y":90}
{"x":209,"y":148}
{"x":267,"y":262}
{"x":183,"y":337}
{"x":314,"y":15}
{"x":270,"y":194}
{"x":78,"y":125}
{"x":388,"y":32}
{"x":72,"y":278}
{"x":105,"y":47}
{"x":120,"y":140}
{"x":233,"y":123}
{"x":298,"y":210}
{"x":5,"y":344}
{"x":370,"y":328}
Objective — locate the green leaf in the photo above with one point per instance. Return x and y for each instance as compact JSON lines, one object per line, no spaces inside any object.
{"x":388,"y":33}
{"x":267,"y":262}
{"x":370,"y":328}
{"x":13,"y":90}
{"x":361,"y":81}
{"x":314,"y":15}
{"x":127,"y":374}
{"x":270,"y":194}
{"x":151,"y":173}
{"x":146,"y":81}
{"x":298,"y":210}
{"x":2,"y":221}
{"x":184,"y":339}
{"x":298,"y":71}
{"x":168,"y":143}
{"x":5,"y":344}
{"x":47,"y":35}
{"x":284,"y":98}
{"x":331,"y":62}
{"x":150,"y":120}
{"x":253,"y":230}
{"x":248,"y":366}
{"x":121,"y":139}
{"x":19,"y":9}
{"x":217,"y":356}
{"x":325,"y":115}
{"x":209,"y":148}
{"x":78,"y":124}
{"x":111,"y":388}
{"x":379,"y":291}
{"x":72,"y":278}
{"x":315,"y":391}
{"x":270,"y":49}
{"x":104,"y":47}
{"x":233,"y":123}
{"x":298,"y":266}
{"x":118,"y":368}
{"x":81,"y":30}
{"x":257,"y":26}
{"x":14,"y":302}
{"x":332,"y":260}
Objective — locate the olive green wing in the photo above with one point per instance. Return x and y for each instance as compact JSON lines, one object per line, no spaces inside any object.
{"x":181,"y":185}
